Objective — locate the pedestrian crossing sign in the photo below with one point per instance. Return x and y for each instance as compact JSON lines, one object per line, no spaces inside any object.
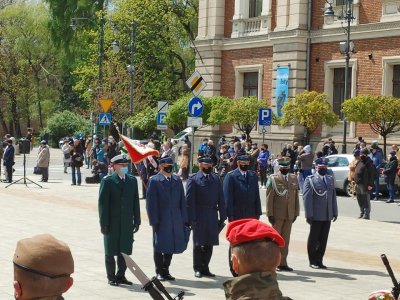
{"x":105,"y":119}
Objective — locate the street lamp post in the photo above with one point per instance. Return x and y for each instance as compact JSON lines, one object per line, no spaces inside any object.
{"x":131,"y":66}
{"x":345,"y":48}
{"x":102,"y":23}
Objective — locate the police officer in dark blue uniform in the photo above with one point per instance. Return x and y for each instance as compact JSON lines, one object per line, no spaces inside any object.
{"x":241,"y":192}
{"x":207,"y":213}
{"x":167,"y":211}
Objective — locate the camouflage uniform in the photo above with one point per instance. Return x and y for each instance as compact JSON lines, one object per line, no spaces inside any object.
{"x":253,"y":286}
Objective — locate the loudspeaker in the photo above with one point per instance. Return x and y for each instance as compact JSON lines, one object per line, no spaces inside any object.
{"x":24,"y":146}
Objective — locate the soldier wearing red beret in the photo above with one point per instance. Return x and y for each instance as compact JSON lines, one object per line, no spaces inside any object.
{"x":255,"y":255}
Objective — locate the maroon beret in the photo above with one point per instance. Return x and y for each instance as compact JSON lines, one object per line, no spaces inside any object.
{"x":249,"y":230}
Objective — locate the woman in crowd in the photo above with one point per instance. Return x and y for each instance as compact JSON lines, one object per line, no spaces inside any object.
{"x":66,"y":149}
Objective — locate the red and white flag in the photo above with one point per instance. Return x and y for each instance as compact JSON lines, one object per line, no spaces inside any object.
{"x":136,"y":151}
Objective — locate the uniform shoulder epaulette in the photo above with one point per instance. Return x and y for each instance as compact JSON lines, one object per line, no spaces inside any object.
{"x":107,"y":177}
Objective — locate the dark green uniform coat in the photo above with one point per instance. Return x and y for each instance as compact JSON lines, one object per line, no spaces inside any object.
{"x":119,"y":209}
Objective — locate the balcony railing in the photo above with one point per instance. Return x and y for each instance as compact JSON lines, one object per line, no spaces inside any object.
{"x":250,"y":27}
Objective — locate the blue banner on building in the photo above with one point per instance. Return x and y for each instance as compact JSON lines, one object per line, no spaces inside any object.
{"x":282,"y":89}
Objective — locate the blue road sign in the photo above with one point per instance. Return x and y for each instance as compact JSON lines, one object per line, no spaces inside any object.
{"x":264,"y":117}
{"x":105,"y":119}
{"x":161,"y":124}
{"x":196,"y":107}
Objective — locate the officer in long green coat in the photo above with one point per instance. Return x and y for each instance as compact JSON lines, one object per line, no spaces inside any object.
{"x":119,"y":213}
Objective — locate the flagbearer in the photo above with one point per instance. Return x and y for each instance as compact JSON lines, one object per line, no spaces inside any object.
{"x":283,"y":205}
{"x":119,"y":213}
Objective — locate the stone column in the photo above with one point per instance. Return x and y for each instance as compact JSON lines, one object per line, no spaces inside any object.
{"x":282,"y":15}
{"x":298,"y":14}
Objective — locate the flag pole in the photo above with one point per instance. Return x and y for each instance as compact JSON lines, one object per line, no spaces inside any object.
{"x":132,"y":163}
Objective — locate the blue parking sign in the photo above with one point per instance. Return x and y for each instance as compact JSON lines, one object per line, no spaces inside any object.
{"x":264,"y":117}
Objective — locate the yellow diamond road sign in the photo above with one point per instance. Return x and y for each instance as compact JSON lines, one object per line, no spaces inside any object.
{"x":106,"y":104}
{"x":196,"y":83}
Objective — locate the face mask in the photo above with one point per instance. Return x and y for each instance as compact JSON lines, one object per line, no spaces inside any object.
{"x":363,"y":158}
{"x":284,"y":171}
{"x":207,"y":170}
{"x":322,"y":172}
{"x":262,"y":149}
{"x":123,"y":170}
{"x":244,"y":167}
{"x":168,"y":169}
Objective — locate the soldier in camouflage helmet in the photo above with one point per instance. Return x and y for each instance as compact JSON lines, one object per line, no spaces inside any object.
{"x":255,"y":255}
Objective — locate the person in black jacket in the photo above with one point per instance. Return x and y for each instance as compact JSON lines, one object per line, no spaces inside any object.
{"x":8,"y":160}
{"x":76,"y":162}
{"x":364,"y":176}
{"x":390,"y":172}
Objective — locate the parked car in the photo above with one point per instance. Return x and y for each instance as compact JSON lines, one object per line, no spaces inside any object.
{"x":339,"y":164}
{"x":180,"y":137}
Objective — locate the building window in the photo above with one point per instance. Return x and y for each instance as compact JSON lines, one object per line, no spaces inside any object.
{"x":338,"y":89}
{"x":340,"y":2}
{"x":255,"y":8}
{"x":396,"y":81}
{"x":250,"y":84}
{"x":248,"y":81}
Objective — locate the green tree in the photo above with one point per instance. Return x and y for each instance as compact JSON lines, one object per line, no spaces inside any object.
{"x":243,"y":113}
{"x":145,"y":121}
{"x":178,"y":112}
{"x":215,"y":111}
{"x":64,"y":124}
{"x":26,"y":40}
{"x":382,"y":113}
{"x":310,"y":109}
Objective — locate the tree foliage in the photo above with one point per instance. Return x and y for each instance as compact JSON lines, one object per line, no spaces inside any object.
{"x":382,"y":113}
{"x":64,"y":124}
{"x":27,"y":65}
{"x":243,"y":113}
{"x":145,"y":120}
{"x":310,"y":109}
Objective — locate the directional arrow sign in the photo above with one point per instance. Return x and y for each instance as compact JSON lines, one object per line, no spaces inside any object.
{"x":196,"y":107}
{"x":106,"y":104}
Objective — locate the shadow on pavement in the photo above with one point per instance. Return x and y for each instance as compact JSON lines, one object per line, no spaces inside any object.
{"x":204,"y":284}
{"x":295,"y":277}
{"x":359,"y":272}
{"x":326,"y":274}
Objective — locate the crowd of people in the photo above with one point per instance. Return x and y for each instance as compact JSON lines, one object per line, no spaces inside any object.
{"x":226,"y":188}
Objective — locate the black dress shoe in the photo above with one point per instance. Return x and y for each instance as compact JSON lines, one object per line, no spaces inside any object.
{"x":160,"y":277}
{"x":169,"y":277}
{"x":315,"y":266}
{"x":321,"y":266}
{"x":113,"y":282}
{"x":197,"y":274}
{"x":123,"y":280}
{"x":208,"y":274}
{"x":285,"y":268}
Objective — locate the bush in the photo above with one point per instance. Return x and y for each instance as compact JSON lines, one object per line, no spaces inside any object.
{"x":64,"y":124}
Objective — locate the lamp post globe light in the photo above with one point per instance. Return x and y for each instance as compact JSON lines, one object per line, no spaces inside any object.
{"x":346,"y":48}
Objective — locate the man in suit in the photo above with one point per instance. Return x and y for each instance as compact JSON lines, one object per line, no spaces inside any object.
{"x":8,"y":159}
{"x":283,"y":205}
{"x":119,"y":213}
{"x":206,"y":209}
{"x":241,"y":193}
{"x":167,"y":212}
{"x":320,"y":206}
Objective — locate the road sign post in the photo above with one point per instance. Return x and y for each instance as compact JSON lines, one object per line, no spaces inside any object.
{"x":162,"y":107}
{"x":264,"y":121}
